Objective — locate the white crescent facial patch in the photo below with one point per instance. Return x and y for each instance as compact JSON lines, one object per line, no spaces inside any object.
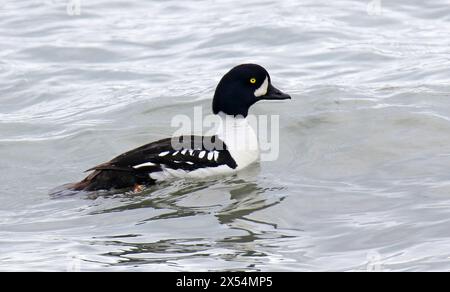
{"x":262,"y":90}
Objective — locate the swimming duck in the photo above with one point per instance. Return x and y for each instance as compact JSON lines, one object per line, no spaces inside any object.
{"x":195,"y":156}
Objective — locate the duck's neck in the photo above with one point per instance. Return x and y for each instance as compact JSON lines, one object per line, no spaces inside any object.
{"x":240,"y":139}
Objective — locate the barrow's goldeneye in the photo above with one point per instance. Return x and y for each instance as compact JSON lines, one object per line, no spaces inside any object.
{"x":195,"y":156}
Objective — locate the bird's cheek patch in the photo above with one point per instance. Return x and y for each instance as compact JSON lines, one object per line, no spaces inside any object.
{"x":262,"y":90}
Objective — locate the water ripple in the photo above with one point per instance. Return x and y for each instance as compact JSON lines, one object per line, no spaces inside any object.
{"x":362,"y":179}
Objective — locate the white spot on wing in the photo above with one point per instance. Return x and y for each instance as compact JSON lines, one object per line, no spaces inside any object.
{"x":262,"y":90}
{"x":210,"y":155}
{"x":175,"y":153}
{"x":202,"y":154}
{"x":184,"y":151}
{"x":216,"y":155}
{"x":144,"y":165}
{"x":163,"y":153}
{"x":191,"y":152}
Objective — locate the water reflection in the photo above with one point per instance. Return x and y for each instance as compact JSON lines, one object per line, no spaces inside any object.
{"x":239,"y":199}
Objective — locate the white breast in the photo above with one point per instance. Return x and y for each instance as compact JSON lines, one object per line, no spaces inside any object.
{"x":240,"y":139}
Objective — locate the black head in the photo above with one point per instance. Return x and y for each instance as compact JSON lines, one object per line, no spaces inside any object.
{"x":242,"y":87}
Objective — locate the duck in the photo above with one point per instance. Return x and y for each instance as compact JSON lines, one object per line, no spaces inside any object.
{"x":233,"y":148}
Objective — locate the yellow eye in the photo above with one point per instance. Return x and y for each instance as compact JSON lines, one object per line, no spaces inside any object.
{"x":253,"y":80}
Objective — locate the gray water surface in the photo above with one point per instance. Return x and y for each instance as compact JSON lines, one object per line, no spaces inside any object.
{"x":362,"y":181}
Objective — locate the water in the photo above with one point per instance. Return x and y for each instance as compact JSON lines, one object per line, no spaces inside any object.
{"x":362,"y":182}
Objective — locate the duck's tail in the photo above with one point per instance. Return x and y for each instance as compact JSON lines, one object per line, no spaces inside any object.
{"x":107,"y":179}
